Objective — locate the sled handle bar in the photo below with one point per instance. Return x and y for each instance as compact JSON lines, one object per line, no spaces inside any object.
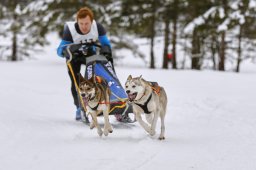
{"x":83,"y":43}
{"x":78,"y":45}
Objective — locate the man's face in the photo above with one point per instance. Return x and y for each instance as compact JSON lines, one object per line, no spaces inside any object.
{"x":84,"y":24}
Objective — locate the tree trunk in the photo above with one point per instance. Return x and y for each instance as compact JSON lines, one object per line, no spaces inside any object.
{"x":185,"y":53}
{"x":223,"y":43}
{"x":166,"y":43}
{"x":239,"y":51}
{"x":174,"y":34}
{"x":213,"y":50}
{"x":14,"y":47}
{"x":152,"y":57}
{"x":174,"y":37}
{"x":14,"y":40}
{"x":152,"y":38}
{"x":222,"y":52}
{"x":196,"y":55}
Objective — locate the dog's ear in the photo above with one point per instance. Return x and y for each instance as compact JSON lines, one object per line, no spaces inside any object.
{"x":91,"y":79}
{"x":81,"y":78}
{"x":129,"y":78}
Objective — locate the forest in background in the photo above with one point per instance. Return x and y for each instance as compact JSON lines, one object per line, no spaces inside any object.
{"x":212,"y":33}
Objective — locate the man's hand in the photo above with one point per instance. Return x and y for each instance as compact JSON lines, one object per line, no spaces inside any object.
{"x":66,"y":54}
{"x":106,"y":51}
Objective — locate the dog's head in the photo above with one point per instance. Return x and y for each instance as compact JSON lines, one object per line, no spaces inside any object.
{"x":87,"y":87}
{"x":134,"y":87}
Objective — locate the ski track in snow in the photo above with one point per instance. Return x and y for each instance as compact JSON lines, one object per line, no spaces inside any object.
{"x":210,"y":123}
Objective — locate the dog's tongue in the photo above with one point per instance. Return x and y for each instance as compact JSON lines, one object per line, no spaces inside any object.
{"x":85,"y":101}
{"x":131,"y":97}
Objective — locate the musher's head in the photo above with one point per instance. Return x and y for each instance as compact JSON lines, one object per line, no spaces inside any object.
{"x":84,"y":19}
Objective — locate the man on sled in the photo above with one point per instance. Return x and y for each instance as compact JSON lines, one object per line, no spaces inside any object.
{"x":84,"y":30}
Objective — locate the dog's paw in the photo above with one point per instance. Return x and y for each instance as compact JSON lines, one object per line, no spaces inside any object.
{"x":161,"y":138}
{"x":110,"y":130}
{"x":100,"y":132}
{"x":92,"y":125}
{"x":152,"y":132}
{"x":105,"y":132}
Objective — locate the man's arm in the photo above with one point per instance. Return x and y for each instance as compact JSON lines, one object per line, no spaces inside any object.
{"x":105,"y":43}
{"x":66,"y":39}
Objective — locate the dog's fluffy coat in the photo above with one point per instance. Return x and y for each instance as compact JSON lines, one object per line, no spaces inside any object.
{"x":144,"y":98}
{"x":96,"y":97}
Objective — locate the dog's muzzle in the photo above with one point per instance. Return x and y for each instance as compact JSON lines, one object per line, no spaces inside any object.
{"x":85,"y":100}
{"x":132,"y":96}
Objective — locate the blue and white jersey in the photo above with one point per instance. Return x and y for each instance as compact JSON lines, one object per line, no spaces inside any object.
{"x":72,"y":34}
{"x":77,"y":37}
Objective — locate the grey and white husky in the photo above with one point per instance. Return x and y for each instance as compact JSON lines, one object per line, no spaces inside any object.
{"x":96,"y":97}
{"x":149,"y":98}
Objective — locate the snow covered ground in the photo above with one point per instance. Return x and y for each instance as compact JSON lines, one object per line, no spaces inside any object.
{"x":210,"y":122}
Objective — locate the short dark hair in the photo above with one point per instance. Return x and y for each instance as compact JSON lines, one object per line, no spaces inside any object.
{"x":84,"y":12}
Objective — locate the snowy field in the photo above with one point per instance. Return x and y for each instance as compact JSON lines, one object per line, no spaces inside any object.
{"x":210,"y":122}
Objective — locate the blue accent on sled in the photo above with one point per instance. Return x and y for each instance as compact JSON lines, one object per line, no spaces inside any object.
{"x":105,"y":70}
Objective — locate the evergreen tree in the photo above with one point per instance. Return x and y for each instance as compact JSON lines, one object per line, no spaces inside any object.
{"x":11,"y":24}
{"x":172,"y":11}
{"x":197,"y":29}
{"x":241,"y":17}
{"x":140,"y":17}
{"x":22,"y":30}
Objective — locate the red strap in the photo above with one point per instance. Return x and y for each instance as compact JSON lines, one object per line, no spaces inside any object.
{"x":112,"y":102}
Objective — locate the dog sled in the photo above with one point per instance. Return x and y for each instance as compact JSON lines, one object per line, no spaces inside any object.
{"x":98,"y":65}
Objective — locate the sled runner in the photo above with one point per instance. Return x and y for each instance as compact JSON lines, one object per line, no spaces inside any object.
{"x":98,"y":65}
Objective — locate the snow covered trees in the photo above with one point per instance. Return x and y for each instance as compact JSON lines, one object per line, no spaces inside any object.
{"x":223,"y":25}
{"x":24,"y":24}
{"x":19,"y":31}
{"x":209,"y":34}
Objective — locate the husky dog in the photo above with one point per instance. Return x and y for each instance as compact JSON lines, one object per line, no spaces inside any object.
{"x":149,"y":98}
{"x":95,"y":93}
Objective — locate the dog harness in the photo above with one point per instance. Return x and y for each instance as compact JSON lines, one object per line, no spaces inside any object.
{"x":156,"y":88}
{"x":100,"y":82}
{"x":94,"y":108}
{"x":144,"y":106}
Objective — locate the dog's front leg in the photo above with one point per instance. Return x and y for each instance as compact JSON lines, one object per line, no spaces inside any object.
{"x":161,"y":137}
{"x":141,"y":122}
{"x":149,"y":118}
{"x":92,"y":125}
{"x":153,"y":125}
{"x":95,"y":122}
{"x":107,"y":125}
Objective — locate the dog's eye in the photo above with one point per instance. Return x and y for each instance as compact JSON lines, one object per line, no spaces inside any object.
{"x":133,"y":86}
{"x":126,"y":86}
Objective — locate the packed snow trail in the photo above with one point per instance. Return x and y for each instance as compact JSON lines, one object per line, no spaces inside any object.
{"x":210,"y":122}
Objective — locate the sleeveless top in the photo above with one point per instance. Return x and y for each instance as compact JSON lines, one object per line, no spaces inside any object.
{"x":92,"y":35}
